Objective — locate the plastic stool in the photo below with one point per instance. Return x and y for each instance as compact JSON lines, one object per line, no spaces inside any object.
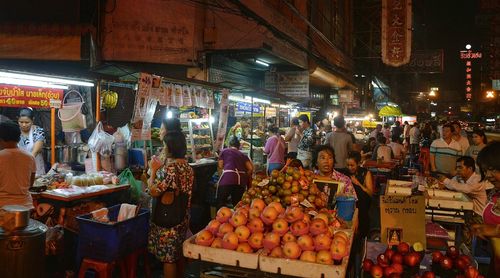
{"x":103,"y":269}
{"x":128,"y":265}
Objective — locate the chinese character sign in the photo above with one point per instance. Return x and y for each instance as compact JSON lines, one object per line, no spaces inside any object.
{"x":396,"y":32}
{"x":23,"y":96}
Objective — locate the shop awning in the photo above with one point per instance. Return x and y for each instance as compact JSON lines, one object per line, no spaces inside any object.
{"x":387,"y":111}
{"x":324,"y":76}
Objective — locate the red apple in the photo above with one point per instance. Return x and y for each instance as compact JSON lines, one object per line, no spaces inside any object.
{"x":258,"y":203}
{"x":471,"y":272}
{"x":288,"y":237}
{"x":338,"y":250}
{"x":322,"y":242}
{"x":230,"y":241}
{"x":403,"y":248}
{"x":280,"y":226}
{"x":388,"y":253}
{"x":217,"y":243}
{"x":461,"y":264}
{"x":318,"y":226}
{"x":255,"y":225}
{"x":238,"y":219}
{"x":428,"y":274}
{"x":437,"y":257}
{"x":293,"y":214}
{"x":299,"y":228}
{"x":244,"y":247}
{"x":324,"y":257}
{"x":382,"y":260}
{"x":388,"y":271}
{"x":446,"y":263}
{"x":466,"y":258}
{"x":255,"y":240}
{"x":452,"y":252}
{"x":306,"y":242}
{"x":269,"y":215}
{"x":397,"y":258}
{"x":213,"y":226}
{"x":223,"y":214}
{"x":271,"y":240}
{"x":377,"y":271}
{"x":367,"y":265}
{"x":243,"y":233}
{"x":253,"y":213}
{"x":277,"y":252}
{"x":308,"y":256}
{"x":398,"y":268}
{"x":204,"y":238}
{"x":291,"y":250}
{"x":412,"y":259}
{"x":224,"y":228}
{"x":277,"y":206}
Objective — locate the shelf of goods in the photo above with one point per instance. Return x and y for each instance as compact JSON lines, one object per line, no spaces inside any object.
{"x":271,"y":231}
{"x":199,"y":137}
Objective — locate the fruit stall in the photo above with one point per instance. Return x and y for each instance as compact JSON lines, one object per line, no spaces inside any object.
{"x":279,"y":227}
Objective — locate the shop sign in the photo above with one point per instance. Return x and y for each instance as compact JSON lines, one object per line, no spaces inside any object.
{"x":247,"y":107}
{"x":402,"y":218}
{"x":22,"y":96}
{"x":294,"y":84}
{"x":495,"y":84}
{"x":426,"y":61}
{"x":346,"y":96}
{"x":270,"y":112}
{"x":396,"y":32}
{"x":468,"y":54}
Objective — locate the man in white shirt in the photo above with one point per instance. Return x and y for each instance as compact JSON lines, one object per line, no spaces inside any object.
{"x":293,"y":138}
{"x":17,"y":171}
{"x":445,"y":152}
{"x":397,"y":148}
{"x":341,"y":142}
{"x":414,"y":140}
{"x":468,"y":182}
{"x":457,"y":136}
{"x":376,"y":131}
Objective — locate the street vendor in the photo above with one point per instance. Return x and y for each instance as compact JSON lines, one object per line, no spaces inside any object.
{"x":323,"y":161}
{"x":32,"y":138}
{"x":236,"y":131}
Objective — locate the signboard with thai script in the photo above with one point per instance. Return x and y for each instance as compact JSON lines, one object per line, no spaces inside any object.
{"x":402,"y":217}
{"x":426,"y":61}
{"x":396,"y":32}
{"x":247,"y":107}
{"x":22,"y":96}
{"x":346,"y":96}
{"x":294,"y":84}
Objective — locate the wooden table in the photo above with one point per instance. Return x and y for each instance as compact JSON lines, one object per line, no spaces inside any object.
{"x":111,"y":189}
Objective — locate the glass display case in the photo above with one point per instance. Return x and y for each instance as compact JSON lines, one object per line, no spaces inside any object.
{"x":199,"y":138}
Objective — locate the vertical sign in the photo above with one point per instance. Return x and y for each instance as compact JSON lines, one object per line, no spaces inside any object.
{"x":396,"y":32}
{"x":221,"y":131}
{"x":469,"y":56}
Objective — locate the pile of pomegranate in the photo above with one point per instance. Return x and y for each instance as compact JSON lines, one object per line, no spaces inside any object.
{"x":404,"y":261}
{"x":279,"y":233}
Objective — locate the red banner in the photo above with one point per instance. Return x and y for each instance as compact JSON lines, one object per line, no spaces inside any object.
{"x":34,"y":97}
{"x":396,"y":32}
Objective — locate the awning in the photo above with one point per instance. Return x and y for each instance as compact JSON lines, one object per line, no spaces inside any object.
{"x":324,"y":76}
{"x":387,"y":111}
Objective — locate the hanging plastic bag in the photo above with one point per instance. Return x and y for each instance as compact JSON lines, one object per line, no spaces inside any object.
{"x":186,"y":96}
{"x":101,"y":141}
{"x":127,"y":177}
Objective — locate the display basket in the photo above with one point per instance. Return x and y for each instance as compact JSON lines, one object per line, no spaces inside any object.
{"x":110,"y":241}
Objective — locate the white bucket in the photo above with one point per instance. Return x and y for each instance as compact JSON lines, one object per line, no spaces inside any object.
{"x":71,"y":115}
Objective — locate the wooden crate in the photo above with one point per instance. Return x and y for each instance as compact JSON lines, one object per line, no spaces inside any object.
{"x":220,"y":256}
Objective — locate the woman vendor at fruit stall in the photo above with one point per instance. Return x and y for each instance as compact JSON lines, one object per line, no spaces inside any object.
{"x":489,"y":163}
{"x":32,"y":138}
{"x":323,"y":160}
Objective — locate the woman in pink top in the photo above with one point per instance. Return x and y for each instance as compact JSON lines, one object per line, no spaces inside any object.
{"x":275,"y":150}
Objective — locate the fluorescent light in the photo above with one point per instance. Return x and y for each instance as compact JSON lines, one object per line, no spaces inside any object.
{"x":45,"y":79}
{"x":260,"y":62}
{"x":23,"y":82}
{"x":265,"y":101}
{"x":235,"y":98}
{"x":169,"y":115}
{"x":211,"y":119}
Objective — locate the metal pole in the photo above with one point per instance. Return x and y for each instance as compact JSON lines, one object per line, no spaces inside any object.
{"x":251,"y":130}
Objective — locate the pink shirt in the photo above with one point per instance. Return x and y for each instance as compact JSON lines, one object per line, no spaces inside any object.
{"x":275,"y":149}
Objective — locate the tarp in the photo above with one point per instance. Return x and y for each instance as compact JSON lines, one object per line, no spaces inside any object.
{"x":389,"y":111}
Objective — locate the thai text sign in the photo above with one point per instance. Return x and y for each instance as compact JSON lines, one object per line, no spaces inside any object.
{"x":425,"y":61}
{"x":294,"y":84}
{"x":404,"y":214}
{"x":22,"y":96}
{"x":247,"y":107}
{"x":396,"y":32}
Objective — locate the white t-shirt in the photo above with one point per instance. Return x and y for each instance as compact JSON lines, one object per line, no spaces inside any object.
{"x":294,"y":142}
{"x":16,"y":169}
{"x":397,"y":149}
{"x":464,"y":143}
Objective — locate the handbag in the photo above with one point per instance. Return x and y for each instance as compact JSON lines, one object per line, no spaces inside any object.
{"x":170,"y":208}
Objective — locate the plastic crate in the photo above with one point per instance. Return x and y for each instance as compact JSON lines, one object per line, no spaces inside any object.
{"x":110,"y":241}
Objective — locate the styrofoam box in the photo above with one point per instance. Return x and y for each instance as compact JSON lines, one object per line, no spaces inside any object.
{"x":220,"y":256}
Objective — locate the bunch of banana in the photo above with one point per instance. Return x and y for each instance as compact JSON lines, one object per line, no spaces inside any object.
{"x":109,"y":99}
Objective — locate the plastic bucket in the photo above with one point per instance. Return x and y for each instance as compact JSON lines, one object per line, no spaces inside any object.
{"x":345,"y":207}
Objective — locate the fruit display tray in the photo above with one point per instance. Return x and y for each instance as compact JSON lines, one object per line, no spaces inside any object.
{"x":447,"y":199}
{"x":219,"y":255}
